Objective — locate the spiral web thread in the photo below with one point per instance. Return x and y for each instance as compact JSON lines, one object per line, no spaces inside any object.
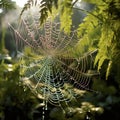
{"x":52,"y":71}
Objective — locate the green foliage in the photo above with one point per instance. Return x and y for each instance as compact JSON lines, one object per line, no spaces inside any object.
{"x":109,"y":40}
{"x":81,"y":110}
{"x":27,"y":6}
{"x":89,"y":33}
{"x":101,"y":32}
{"x":44,"y":5}
{"x":65,"y":7}
{"x":7,"y":4}
{"x":13,"y":94}
{"x":2,"y":44}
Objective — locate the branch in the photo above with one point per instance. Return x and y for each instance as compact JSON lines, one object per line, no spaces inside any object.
{"x":74,"y":3}
{"x":86,"y":11}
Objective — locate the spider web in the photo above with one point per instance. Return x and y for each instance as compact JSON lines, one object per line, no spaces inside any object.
{"x":50,"y":68}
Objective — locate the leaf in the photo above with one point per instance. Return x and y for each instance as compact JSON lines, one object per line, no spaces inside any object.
{"x":7,"y":4}
{"x":65,"y":8}
{"x":27,"y":6}
{"x":108,"y":69}
{"x":101,"y":60}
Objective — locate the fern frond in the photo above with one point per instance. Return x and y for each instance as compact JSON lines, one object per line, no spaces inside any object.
{"x":66,"y":15}
{"x":6,"y":4}
{"x":108,"y":44}
{"x":27,"y":6}
{"x":45,"y":6}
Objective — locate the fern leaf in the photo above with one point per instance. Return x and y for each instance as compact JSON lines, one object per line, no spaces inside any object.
{"x":27,"y":6}
{"x":6,"y":4}
{"x":66,"y":15}
{"x":108,"y":69}
{"x":101,"y":60}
